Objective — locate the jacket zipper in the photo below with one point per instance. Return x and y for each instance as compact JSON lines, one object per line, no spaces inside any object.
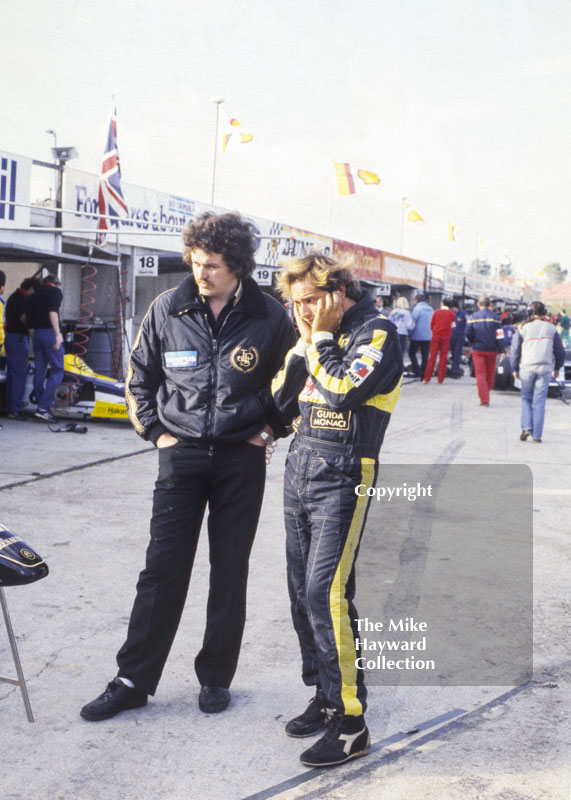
{"x":214,"y":376}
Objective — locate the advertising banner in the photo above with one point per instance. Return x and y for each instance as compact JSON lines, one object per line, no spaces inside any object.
{"x":398,"y":269}
{"x":15,"y":174}
{"x":367,"y":263}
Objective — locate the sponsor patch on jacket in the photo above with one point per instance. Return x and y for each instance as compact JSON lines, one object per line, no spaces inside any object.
{"x":359,"y":371}
{"x":367,"y":350}
{"x":181,"y":358}
{"x":326,"y":419}
{"x":244,"y":359}
{"x":310,"y":393}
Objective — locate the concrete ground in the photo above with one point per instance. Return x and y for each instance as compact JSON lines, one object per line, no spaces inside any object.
{"x":83,"y":502}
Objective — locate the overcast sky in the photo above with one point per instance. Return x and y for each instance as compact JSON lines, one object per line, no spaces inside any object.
{"x":463,"y":106}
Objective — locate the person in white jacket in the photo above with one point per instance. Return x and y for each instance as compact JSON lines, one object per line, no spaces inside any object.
{"x":402,"y":318}
{"x":536,"y":353}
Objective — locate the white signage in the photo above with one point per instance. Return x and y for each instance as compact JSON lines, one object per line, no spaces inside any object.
{"x":146,"y":265}
{"x":383,"y":288}
{"x":263,"y":276}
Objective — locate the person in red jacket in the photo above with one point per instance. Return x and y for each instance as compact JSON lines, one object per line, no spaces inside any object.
{"x":441,"y":324}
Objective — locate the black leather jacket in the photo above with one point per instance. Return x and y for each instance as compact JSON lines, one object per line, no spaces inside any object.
{"x":183,"y":380}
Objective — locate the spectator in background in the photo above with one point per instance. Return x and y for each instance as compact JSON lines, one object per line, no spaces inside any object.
{"x":2,"y":304}
{"x":441,"y":324}
{"x":457,"y":338}
{"x":383,"y":304}
{"x":402,"y":319}
{"x":509,"y":330}
{"x":421,"y":334}
{"x":565,"y":323}
{"x":486,"y":337}
{"x":48,"y":347}
{"x":537,"y":352}
{"x":18,"y":346}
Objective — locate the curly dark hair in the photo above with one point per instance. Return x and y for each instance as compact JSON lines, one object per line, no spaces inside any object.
{"x":227,"y":234}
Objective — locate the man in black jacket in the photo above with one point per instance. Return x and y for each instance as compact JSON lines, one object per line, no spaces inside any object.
{"x":198,"y":386}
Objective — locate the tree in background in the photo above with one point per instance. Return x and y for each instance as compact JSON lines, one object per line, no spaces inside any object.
{"x":481,"y":267}
{"x":553,"y":274}
{"x":505,"y":268}
{"x":455,"y":265}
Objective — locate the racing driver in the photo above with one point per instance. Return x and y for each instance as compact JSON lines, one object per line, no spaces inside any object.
{"x":339,"y":384}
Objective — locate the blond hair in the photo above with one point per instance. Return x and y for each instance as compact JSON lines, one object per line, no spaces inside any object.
{"x":402,"y":302}
{"x":322,"y":272}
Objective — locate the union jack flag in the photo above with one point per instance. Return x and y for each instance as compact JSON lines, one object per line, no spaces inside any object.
{"x":111,"y":201}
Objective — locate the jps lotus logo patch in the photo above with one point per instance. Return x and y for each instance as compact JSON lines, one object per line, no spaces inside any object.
{"x":244,"y":359}
{"x":25,"y":553}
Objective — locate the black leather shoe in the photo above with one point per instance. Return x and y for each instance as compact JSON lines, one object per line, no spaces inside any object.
{"x":116,"y":698}
{"x":213,"y":699}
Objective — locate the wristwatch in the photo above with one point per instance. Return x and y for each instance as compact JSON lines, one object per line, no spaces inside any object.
{"x":267,"y":437}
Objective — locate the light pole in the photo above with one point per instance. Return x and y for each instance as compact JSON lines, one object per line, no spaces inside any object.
{"x":54,"y":134}
{"x":61,"y":155}
{"x":403,"y":212}
{"x":218,"y":101}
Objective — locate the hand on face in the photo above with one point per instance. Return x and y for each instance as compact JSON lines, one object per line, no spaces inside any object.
{"x":303,"y":327}
{"x":328,"y":313}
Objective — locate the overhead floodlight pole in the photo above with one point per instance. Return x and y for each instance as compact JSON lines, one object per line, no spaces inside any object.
{"x":403,"y":212}
{"x":218,"y":102}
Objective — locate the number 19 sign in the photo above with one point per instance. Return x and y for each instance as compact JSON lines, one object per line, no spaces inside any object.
{"x":263,"y":276}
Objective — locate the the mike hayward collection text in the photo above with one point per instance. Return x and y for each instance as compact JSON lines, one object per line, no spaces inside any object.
{"x":372,"y":655}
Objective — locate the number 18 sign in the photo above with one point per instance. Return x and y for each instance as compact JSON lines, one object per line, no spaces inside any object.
{"x":146,"y":265}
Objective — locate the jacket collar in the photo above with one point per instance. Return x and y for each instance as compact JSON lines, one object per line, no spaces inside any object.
{"x":249,"y":298}
{"x":364,"y":307}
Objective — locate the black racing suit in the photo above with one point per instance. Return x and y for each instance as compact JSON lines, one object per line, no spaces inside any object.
{"x":207,"y":382}
{"x":344,"y":388}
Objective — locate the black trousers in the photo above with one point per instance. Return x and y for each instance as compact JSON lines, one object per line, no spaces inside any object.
{"x":413,"y":347}
{"x":231,"y":481}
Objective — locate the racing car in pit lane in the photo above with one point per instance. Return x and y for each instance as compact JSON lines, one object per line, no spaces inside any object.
{"x":83,"y":393}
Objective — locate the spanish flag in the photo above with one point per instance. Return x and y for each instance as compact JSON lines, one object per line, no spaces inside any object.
{"x":451,"y":232}
{"x":346,"y":182}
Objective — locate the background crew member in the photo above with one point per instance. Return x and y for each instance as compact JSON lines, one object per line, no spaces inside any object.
{"x":2,"y":306}
{"x":343,"y":380}
{"x":420,"y":335}
{"x":441,"y":325}
{"x":18,"y":346}
{"x":457,"y":339}
{"x":44,"y":306}
{"x":537,"y":352}
{"x":485,"y":334}
{"x":198,"y":386}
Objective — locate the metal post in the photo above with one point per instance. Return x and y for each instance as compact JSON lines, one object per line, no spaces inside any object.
{"x":21,"y":682}
{"x":218,"y":102}
{"x":402,"y":226}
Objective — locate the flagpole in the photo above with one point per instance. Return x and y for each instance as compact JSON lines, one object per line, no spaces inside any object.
{"x":402,"y":226}
{"x":329,"y":202}
{"x":218,"y":102}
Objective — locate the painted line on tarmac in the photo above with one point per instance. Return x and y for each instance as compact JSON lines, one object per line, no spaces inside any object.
{"x":454,"y":720}
{"x":291,"y":783}
{"x":44,"y":476}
